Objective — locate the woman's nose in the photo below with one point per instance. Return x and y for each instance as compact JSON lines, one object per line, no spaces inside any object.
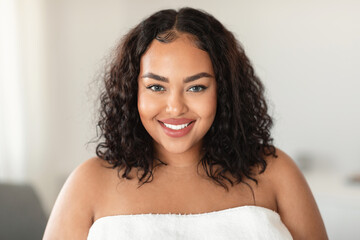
{"x":176,"y":105}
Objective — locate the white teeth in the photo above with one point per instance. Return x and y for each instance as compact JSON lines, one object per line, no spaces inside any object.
{"x":176,"y":127}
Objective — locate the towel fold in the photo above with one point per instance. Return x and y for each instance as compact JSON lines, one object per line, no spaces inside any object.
{"x":244,"y":222}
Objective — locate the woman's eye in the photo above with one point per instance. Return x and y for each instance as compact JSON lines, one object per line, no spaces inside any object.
{"x":155,"y":88}
{"x":198,"y":88}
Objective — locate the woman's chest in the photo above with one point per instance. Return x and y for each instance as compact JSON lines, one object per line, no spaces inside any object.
{"x":125,"y":197}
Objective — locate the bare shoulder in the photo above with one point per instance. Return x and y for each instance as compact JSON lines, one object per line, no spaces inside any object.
{"x":295,"y":202}
{"x":73,"y":211}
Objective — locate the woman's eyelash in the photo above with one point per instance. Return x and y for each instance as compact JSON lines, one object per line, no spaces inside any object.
{"x":158,"y":88}
{"x":198,"y":86}
{"x":154,"y":88}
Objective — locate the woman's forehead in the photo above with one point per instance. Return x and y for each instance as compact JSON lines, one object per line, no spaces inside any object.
{"x":182,"y":53}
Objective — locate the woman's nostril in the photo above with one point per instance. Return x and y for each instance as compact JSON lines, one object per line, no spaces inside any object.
{"x":176,"y":107}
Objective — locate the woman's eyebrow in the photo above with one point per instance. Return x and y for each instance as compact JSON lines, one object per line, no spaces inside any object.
{"x":155,"y":76}
{"x":186,"y":80}
{"x":197,"y":76}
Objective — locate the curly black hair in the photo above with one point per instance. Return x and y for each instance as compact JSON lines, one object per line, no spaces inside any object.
{"x":239,"y":137}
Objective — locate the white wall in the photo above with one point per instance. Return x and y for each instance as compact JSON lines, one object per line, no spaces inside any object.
{"x":306,"y":52}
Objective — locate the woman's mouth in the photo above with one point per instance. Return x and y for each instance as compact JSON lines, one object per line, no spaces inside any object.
{"x":179,"y":130}
{"x":177,"y":127}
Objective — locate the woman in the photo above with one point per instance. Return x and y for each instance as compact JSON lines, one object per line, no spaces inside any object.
{"x":187,"y":151}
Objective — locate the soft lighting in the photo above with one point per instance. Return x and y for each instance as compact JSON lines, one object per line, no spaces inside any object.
{"x":11,"y":107}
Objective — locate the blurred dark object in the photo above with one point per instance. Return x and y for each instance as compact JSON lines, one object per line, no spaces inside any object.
{"x":305,"y":161}
{"x":21,"y":214}
{"x":355,"y":178}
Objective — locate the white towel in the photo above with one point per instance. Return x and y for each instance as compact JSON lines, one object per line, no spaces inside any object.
{"x":244,"y":222}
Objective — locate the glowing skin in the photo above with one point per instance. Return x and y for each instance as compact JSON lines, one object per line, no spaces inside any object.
{"x":159,"y":100}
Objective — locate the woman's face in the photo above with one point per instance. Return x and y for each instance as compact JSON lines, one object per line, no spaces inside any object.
{"x":177,"y":94}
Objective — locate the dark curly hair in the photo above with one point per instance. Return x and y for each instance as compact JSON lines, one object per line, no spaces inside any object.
{"x":239,"y":138}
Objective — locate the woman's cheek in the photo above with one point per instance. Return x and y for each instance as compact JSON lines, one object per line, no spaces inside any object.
{"x":206,"y":108}
{"x":148,"y":106}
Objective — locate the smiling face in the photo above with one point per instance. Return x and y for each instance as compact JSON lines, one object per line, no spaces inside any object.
{"x":176,"y":94}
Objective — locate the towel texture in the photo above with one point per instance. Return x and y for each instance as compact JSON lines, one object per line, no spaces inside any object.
{"x":244,"y":222}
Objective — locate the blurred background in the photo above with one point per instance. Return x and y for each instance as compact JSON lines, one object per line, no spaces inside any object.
{"x":52,"y":53}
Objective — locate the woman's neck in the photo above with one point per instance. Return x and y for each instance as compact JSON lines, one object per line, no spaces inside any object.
{"x":181,"y":164}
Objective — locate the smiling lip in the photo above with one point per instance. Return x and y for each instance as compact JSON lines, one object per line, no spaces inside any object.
{"x":177,"y":121}
{"x":180,"y":132}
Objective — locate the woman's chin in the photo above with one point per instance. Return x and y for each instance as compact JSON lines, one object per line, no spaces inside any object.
{"x":175,"y":149}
